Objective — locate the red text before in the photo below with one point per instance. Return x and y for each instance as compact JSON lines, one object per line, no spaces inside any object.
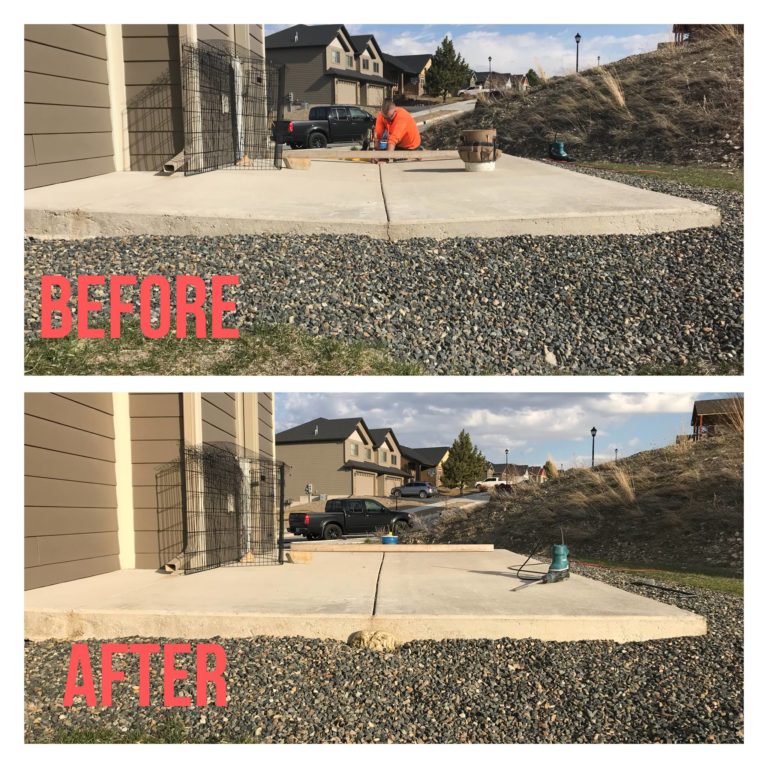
{"x":80,"y":668}
{"x":192,"y":305}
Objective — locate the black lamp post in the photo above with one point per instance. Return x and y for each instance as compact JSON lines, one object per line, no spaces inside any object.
{"x":615,"y":454}
{"x":506,"y":463}
{"x":578,"y":40}
{"x":593,"y":432}
{"x":598,"y":61}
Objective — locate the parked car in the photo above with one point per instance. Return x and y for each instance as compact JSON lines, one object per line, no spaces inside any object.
{"x":345,"y":516}
{"x":325,"y":125}
{"x":422,"y":490}
{"x":489,"y":483}
{"x":473,"y":90}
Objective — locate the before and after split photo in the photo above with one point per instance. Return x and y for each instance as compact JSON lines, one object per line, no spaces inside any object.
{"x":447,"y":553}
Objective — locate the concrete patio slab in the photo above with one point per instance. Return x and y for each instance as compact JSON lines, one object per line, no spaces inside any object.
{"x":413,"y":595}
{"x":397,"y":200}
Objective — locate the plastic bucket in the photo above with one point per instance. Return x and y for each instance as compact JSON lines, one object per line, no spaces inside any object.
{"x":389,"y":539}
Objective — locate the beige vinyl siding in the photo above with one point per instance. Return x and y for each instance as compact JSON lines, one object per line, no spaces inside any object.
{"x":219,"y":418}
{"x":319,"y":464}
{"x":67,"y":123}
{"x":304,"y":74}
{"x":215,"y":32}
{"x":153,"y":94}
{"x":70,"y":521}
{"x":156,"y":432}
{"x":266,"y":426}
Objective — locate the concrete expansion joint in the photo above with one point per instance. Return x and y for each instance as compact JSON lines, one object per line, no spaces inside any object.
{"x":378,"y":582}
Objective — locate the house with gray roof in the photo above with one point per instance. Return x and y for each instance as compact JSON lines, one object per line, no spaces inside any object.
{"x":339,"y":457}
{"x":324,"y":64}
{"x":426,"y":464}
{"x":408,"y":73}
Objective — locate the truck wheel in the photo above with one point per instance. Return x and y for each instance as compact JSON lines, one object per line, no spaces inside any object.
{"x":332,"y":531}
{"x":422,"y":494}
{"x":397,"y":494}
{"x":400,"y":527}
{"x":317,"y":141}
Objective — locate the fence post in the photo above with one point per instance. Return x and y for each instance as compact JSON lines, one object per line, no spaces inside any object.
{"x":281,"y":535}
{"x":280,"y":112}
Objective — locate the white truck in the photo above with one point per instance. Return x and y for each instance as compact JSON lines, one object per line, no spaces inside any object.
{"x":489,"y":483}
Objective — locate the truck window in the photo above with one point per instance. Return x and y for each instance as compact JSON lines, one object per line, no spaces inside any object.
{"x":337,"y":113}
{"x":318,"y":113}
{"x":355,"y":507}
{"x":357,"y":113}
{"x":373,"y":506}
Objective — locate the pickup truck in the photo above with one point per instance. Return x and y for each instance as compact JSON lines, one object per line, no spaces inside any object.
{"x":344,"y":516}
{"x":489,"y":483}
{"x":326,"y":125}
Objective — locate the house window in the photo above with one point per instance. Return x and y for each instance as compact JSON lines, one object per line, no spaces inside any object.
{"x":366,"y":63}
{"x":375,"y":66}
{"x":336,"y":57}
{"x":353,"y":449}
{"x":394,"y":458}
{"x":384,"y":457}
{"x":368,"y":454}
{"x":350,"y":61}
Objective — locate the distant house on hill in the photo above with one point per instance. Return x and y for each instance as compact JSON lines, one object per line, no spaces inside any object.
{"x":500,"y":81}
{"x":717,"y":417}
{"x":408,"y":73}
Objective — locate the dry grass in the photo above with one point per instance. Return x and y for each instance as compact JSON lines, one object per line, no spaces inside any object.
{"x":612,"y":85}
{"x":682,"y":505}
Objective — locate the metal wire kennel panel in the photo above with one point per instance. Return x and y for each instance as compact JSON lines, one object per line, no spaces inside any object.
{"x":217,"y":508}
{"x":230,"y":102}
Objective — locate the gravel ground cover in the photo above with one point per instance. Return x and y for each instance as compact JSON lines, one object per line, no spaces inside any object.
{"x":685,"y":690}
{"x":616,"y":304}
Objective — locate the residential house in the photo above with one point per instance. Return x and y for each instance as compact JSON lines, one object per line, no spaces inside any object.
{"x":717,"y":417}
{"x":510,"y":473}
{"x":91,"y":469}
{"x":408,"y":73}
{"x":339,"y":457}
{"x":100,"y":98}
{"x":537,"y":475}
{"x":324,"y":64}
{"x":500,"y":81}
{"x":426,"y":464}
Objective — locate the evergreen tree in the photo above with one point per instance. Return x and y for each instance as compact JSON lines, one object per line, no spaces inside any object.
{"x":533,"y":78}
{"x":448,"y":73}
{"x":465,"y":464}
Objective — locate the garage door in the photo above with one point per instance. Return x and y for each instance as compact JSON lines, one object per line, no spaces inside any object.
{"x":374,"y":95}
{"x":346,"y":92}
{"x":365,"y":484}
{"x":390,"y":483}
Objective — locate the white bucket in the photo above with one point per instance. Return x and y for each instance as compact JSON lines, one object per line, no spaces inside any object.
{"x":479,"y":167}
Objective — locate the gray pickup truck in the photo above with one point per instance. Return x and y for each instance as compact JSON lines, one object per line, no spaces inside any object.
{"x":347,"y":516}
{"x":326,"y":124}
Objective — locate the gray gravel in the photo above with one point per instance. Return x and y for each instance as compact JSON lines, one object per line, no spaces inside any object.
{"x":527,"y":305}
{"x":686,"y":690}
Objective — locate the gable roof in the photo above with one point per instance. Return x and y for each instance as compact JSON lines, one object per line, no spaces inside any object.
{"x":412,"y":64}
{"x":518,"y":470}
{"x":361,"y":42}
{"x":427,"y":457}
{"x":328,"y":431}
{"x":308,"y":36}
{"x":718,"y":407}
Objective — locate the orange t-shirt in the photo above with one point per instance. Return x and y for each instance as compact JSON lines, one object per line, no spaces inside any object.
{"x":403,"y":131}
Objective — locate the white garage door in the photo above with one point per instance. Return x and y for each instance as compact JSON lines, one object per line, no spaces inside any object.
{"x":374,"y":96}
{"x":390,"y":483}
{"x":365,"y":484}
{"x":346,"y":92}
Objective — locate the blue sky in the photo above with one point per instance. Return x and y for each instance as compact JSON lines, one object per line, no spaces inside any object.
{"x":518,"y":48}
{"x":533,"y":426}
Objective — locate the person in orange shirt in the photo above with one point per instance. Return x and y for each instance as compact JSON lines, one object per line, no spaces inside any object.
{"x":400,"y":127}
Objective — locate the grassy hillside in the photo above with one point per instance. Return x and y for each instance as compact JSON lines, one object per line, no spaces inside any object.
{"x":682,"y":104}
{"x":680,"y":506}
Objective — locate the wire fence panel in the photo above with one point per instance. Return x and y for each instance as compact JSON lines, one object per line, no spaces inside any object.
{"x":217,"y":508}
{"x":230,"y":103}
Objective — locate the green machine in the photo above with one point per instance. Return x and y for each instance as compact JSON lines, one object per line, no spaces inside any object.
{"x":559,"y":569}
{"x":557,"y":150}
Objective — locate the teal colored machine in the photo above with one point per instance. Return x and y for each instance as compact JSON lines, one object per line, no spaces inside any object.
{"x":559,"y":568}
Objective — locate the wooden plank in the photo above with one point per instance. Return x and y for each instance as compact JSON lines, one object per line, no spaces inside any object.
{"x":323,"y":547}
{"x":346,"y":154}
{"x":297,"y":163}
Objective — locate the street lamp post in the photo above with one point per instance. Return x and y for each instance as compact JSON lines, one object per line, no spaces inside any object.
{"x":578,"y":40}
{"x":593,"y":432}
{"x":615,"y":454}
{"x":598,"y":61}
{"x":506,"y":463}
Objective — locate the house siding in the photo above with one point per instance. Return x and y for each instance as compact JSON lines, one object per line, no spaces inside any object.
{"x":70,"y":526}
{"x":266,"y":426}
{"x":67,"y":121}
{"x":304,"y":74}
{"x":319,"y":464}
{"x":156,"y":433}
{"x":219,"y":414}
{"x":153,"y":94}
